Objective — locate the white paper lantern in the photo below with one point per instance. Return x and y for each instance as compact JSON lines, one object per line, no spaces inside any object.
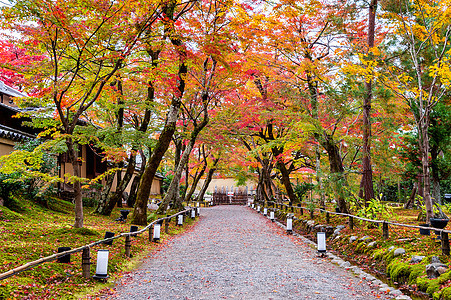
{"x":321,"y":238}
{"x":271,"y":216}
{"x":102,"y":264}
{"x":265,"y":211}
{"x":289,"y":225}
{"x":156,"y":232}
{"x":193,"y":214}
{"x":180,"y":220}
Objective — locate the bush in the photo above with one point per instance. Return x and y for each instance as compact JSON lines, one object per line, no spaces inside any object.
{"x":90,"y":202}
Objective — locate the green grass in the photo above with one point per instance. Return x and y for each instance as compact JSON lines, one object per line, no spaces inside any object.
{"x":36,"y":232}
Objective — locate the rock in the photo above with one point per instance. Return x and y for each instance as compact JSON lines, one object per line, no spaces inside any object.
{"x":434,"y":270}
{"x":403,"y":297}
{"x":352,"y":239}
{"x":396,"y":293}
{"x":416,"y":259}
{"x":391,"y":248}
{"x":152,"y":206}
{"x":401,"y":241}
{"x":310,"y":223}
{"x":341,"y":227}
{"x":435,"y":260}
{"x":345,"y":264}
{"x":318,"y":228}
{"x":399,"y":252}
{"x":355,"y":269}
{"x":384,"y":285}
{"x":442,"y":270}
{"x":372,"y":245}
{"x":365,"y":239}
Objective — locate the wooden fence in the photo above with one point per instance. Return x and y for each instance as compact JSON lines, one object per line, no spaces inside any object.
{"x":385,"y":224}
{"x":86,"y":259}
{"x":238,"y":198}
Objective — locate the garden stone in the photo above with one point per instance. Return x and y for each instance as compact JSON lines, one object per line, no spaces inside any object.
{"x":396,"y":293}
{"x":416,"y":259}
{"x":319,"y":228}
{"x":345,"y":264}
{"x":391,"y":248}
{"x":372,"y":245}
{"x":338,"y":229}
{"x":434,"y":270}
{"x":401,"y":241}
{"x":399,"y":252}
{"x":352,"y":239}
{"x":403,"y":297}
{"x":365,"y":239}
{"x":310,"y":223}
{"x":341,"y":227}
{"x":435,"y":260}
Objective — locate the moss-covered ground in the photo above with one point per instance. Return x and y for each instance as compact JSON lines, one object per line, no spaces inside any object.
{"x":35,"y":232}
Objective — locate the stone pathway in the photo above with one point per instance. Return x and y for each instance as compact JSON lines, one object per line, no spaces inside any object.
{"x":235,"y":253}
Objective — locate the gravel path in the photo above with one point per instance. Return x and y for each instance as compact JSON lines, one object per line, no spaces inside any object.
{"x":233,"y":252}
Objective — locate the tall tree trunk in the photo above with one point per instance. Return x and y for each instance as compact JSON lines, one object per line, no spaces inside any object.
{"x":135,"y":183}
{"x":367,"y":174}
{"x":337,"y":171}
{"x":72,"y":152}
{"x":207,"y":181}
{"x":196,"y":179}
{"x":435,"y":174}
{"x":424,"y":149}
{"x":139,"y":216}
{"x":280,"y":164}
{"x":173,"y":190}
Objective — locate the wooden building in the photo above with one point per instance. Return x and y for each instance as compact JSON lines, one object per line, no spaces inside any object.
{"x":13,"y":131}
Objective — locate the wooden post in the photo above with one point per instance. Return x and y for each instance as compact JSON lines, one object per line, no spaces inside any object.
{"x":302,"y":211}
{"x":166,"y":225}
{"x":445,"y":243}
{"x":151,"y":233}
{"x":128,"y":245}
{"x":311,"y":214}
{"x":351,"y":222}
{"x":385,"y":230}
{"x":327,"y":218}
{"x":292,"y":209}
{"x":86,"y":262}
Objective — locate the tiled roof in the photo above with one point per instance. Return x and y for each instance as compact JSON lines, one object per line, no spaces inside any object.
{"x":14,"y":134}
{"x":7,"y":90}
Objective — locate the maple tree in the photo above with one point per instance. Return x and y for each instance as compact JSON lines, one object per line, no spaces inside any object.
{"x":84,"y":44}
{"x":215,"y":80}
{"x":421,"y":74}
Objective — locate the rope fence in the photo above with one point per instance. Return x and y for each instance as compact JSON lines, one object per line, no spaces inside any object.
{"x":86,"y":259}
{"x":385,"y":224}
